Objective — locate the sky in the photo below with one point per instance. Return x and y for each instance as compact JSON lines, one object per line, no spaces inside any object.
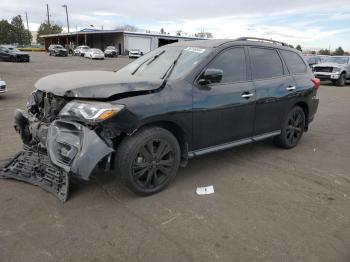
{"x":313,"y":24}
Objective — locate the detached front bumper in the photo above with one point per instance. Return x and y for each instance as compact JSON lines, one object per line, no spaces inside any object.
{"x":327,"y":76}
{"x":66,"y":149}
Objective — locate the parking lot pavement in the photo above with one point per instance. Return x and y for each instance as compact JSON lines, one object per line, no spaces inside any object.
{"x":269,"y":204}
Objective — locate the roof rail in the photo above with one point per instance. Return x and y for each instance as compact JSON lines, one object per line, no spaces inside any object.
{"x":261,"y":40}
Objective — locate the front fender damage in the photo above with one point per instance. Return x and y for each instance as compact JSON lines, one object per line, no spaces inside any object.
{"x":71,"y":149}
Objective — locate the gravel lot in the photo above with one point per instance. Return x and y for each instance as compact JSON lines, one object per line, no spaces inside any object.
{"x":269,"y":204}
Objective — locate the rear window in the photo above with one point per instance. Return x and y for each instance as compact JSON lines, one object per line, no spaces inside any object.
{"x":266,"y":63}
{"x":294,"y":62}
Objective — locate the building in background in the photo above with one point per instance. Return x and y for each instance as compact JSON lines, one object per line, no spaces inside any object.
{"x":121,"y":39}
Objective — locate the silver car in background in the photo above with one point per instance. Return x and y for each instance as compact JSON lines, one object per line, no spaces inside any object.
{"x":333,"y":68}
{"x":2,"y":86}
{"x":135,"y":53}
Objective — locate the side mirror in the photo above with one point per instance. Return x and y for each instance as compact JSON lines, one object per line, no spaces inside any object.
{"x":210,"y":76}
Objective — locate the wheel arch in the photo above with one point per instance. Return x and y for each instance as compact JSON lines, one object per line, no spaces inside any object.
{"x":305,"y":108}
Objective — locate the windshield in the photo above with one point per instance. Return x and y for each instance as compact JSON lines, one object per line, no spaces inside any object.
{"x":156,"y":63}
{"x":338,"y":60}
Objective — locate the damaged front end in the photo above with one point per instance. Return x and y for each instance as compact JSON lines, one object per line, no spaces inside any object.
{"x":62,"y":138}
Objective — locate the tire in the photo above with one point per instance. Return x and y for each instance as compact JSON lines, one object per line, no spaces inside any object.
{"x":12,"y":59}
{"x":148,"y":160}
{"x":292,"y":130}
{"x":49,"y":53}
{"x":342,"y":80}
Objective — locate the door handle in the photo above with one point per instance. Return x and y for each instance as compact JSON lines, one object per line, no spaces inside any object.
{"x":291,"y":88}
{"x":247,"y":95}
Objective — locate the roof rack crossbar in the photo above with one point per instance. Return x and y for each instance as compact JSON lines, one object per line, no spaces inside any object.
{"x":261,"y":40}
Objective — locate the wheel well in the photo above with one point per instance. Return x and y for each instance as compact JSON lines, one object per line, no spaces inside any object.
{"x":305,"y":108}
{"x":177,"y":131}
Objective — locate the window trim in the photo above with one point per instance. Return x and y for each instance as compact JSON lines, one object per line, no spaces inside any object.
{"x":219,"y":53}
{"x":284,"y":68}
{"x":290,"y":72}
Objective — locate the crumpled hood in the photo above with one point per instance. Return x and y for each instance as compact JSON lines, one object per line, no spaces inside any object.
{"x":92,"y":84}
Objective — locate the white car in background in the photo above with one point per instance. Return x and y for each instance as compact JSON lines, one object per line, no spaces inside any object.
{"x":80,"y":50}
{"x":111,"y":51}
{"x":2,"y":86}
{"x":135,"y":53}
{"x":94,"y":53}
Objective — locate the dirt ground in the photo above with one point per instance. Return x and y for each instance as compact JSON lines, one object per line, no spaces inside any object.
{"x":269,"y":204}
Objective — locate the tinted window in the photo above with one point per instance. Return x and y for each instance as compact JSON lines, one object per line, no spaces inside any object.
{"x":294,"y":62}
{"x":266,"y":63}
{"x":232,"y":63}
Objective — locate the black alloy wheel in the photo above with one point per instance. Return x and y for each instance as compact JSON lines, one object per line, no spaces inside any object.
{"x":148,"y":160}
{"x":153,"y":164}
{"x":292,"y":128}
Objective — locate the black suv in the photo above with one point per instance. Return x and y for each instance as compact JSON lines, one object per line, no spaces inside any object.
{"x":11,"y":53}
{"x":57,"y":50}
{"x":174,"y":103}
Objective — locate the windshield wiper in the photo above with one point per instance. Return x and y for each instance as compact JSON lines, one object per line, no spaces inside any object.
{"x":171,"y":68}
{"x":149,"y":60}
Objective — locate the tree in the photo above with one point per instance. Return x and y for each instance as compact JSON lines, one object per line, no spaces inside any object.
{"x":298,"y":47}
{"x":291,"y":46}
{"x":324,"y":52}
{"x":204,"y":35}
{"x":5,"y":32}
{"x":46,"y":29}
{"x":127,"y":27}
{"x":339,"y":51}
{"x":179,"y":32}
{"x":162,"y":31}
{"x":19,"y":34}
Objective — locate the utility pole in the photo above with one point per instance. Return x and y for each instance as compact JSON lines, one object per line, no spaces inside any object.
{"x":65,"y":6}
{"x":28,"y":28}
{"x":48,"y":14}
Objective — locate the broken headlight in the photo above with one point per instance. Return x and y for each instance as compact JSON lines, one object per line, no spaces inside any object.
{"x":90,"y":111}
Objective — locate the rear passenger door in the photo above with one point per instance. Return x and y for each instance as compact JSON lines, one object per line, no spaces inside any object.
{"x":275,"y":89}
{"x":299,"y":70}
{"x":224,"y":111}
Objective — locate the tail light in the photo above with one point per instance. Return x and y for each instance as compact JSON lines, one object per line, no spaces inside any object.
{"x":316,"y":83}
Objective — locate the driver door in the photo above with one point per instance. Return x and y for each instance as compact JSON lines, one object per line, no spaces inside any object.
{"x":224,"y":111}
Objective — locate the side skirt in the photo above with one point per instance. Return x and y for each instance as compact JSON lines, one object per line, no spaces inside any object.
{"x":236,"y":143}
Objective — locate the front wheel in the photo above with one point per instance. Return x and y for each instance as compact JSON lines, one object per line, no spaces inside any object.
{"x":148,"y":160}
{"x":342,"y":80}
{"x":293,"y":127}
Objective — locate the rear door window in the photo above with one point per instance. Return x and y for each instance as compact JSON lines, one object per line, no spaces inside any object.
{"x":233,"y":64}
{"x":294,"y":62}
{"x":266,"y":63}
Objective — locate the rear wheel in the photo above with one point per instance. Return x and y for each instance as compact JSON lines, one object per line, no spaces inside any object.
{"x":342,"y":80}
{"x":292,"y":128}
{"x":13,"y":59}
{"x":148,"y":160}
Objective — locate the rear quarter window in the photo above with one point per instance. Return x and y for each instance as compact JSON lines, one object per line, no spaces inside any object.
{"x":294,"y":62}
{"x":266,"y":63}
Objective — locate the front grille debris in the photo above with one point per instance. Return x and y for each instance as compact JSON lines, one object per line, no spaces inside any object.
{"x":36,"y":168}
